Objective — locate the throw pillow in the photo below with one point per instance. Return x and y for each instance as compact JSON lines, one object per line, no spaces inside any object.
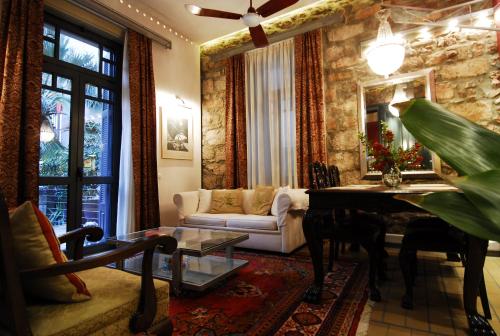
{"x":227,"y":201}
{"x":262,"y":200}
{"x":274,"y":207}
{"x":205,"y":200}
{"x":35,"y":245}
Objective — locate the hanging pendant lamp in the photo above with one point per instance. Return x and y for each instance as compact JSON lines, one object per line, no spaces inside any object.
{"x":386,"y":55}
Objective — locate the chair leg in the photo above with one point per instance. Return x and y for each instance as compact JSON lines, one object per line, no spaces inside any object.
{"x":371,"y":248}
{"x":483,"y":294}
{"x":484,"y":299}
{"x":332,"y":254}
{"x":407,"y":264}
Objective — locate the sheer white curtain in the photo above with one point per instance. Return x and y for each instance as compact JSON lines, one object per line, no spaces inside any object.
{"x":270,"y":105}
{"x":125,"y":221}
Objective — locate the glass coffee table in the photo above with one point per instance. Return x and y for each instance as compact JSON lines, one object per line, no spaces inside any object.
{"x":190,"y":266}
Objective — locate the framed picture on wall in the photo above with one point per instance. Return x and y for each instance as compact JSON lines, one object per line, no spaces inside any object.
{"x":176,"y":134}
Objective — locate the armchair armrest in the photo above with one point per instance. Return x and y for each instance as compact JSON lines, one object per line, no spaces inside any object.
{"x":78,"y":236}
{"x":186,"y":203}
{"x":169,"y":244}
{"x":143,"y":318}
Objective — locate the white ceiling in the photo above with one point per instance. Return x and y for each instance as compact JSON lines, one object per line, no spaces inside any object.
{"x":203,"y":29}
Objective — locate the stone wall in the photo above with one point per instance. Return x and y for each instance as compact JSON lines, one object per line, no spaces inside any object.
{"x":213,"y":123}
{"x":467,"y":79}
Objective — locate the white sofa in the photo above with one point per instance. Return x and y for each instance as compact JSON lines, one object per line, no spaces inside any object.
{"x":280,"y":231}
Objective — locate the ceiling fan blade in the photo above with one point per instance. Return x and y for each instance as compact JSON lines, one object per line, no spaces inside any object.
{"x":274,"y":6}
{"x":259,"y":37}
{"x":193,"y":9}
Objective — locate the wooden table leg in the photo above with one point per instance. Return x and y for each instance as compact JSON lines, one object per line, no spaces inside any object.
{"x":476,"y":254}
{"x":312,"y":232}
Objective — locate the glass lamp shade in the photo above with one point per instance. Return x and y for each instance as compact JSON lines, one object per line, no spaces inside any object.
{"x":399,"y":97}
{"x":251,"y":19}
{"x":46,"y":132}
{"x":387,"y":53}
{"x":385,"y":58}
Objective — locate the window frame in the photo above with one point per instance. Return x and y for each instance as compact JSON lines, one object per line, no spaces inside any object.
{"x":75,"y":180}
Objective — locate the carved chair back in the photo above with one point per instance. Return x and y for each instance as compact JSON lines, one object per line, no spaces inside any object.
{"x":321,"y":176}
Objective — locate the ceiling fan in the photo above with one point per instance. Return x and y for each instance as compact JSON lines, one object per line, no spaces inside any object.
{"x":251,"y":19}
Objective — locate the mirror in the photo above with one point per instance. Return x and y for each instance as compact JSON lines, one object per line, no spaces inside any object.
{"x":376,"y":99}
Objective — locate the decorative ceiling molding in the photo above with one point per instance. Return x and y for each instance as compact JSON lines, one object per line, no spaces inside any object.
{"x":282,"y":24}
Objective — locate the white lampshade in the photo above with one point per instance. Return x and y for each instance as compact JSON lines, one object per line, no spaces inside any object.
{"x":386,"y":55}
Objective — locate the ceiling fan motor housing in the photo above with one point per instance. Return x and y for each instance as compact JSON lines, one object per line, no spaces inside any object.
{"x":251,"y":19}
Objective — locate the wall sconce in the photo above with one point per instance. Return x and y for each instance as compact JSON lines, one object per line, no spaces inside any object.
{"x":47,"y":133}
{"x":387,"y":53}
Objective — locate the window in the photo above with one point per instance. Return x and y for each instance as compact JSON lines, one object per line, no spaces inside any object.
{"x":80,"y":128}
{"x":270,"y":115}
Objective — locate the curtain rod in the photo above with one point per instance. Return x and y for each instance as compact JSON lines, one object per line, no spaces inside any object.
{"x":118,"y":19}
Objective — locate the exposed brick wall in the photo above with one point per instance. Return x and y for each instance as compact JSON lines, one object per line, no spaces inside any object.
{"x":467,"y":79}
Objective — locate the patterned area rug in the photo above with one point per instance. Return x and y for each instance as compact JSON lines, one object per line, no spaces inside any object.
{"x":265,"y":298}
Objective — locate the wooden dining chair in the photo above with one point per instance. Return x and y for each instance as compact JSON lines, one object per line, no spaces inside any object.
{"x":434,"y":235}
{"x":342,"y":225}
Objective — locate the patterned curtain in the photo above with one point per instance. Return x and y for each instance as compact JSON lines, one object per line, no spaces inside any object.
{"x":236,"y":138}
{"x":21,"y":59}
{"x":143,"y":122}
{"x":310,"y":116}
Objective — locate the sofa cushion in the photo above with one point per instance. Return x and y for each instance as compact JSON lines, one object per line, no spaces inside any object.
{"x":247,"y":200}
{"x":115,"y":297}
{"x":209,"y":219}
{"x":262,"y":200}
{"x":205,"y":200}
{"x":36,"y":245}
{"x":227,"y":201}
{"x":252,"y":222}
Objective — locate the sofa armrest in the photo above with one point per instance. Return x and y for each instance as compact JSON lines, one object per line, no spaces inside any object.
{"x":186,"y":203}
{"x":299,"y":199}
{"x":284,"y":202}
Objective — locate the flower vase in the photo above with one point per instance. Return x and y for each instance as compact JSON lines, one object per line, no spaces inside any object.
{"x":392,"y":177}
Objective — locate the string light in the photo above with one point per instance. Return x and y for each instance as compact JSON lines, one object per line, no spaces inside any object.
{"x":158,"y":22}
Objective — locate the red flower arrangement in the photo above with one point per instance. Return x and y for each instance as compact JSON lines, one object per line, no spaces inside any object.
{"x":386,"y":155}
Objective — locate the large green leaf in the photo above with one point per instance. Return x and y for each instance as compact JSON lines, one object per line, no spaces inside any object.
{"x":467,"y":147}
{"x":483,"y":190}
{"x":457,"y":210}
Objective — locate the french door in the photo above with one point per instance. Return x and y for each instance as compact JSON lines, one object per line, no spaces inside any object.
{"x":80,"y":129}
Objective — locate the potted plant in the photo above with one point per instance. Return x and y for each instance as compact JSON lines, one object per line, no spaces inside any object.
{"x":390,"y":159}
{"x":474,"y":152}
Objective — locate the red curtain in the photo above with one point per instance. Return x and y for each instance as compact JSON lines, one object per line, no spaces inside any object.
{"x":236,"y":132}
{"x":21,"y":60}
{"x":309,"y":106}
{"x":143,"y":122}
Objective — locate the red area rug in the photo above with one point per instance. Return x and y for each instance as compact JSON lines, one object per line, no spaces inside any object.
{"x":265,"y":298}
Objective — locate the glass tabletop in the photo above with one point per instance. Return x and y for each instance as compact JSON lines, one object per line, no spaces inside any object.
{"x":199,"y":241}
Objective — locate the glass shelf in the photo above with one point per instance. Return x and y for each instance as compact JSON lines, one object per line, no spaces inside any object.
{"x":198,"y":273}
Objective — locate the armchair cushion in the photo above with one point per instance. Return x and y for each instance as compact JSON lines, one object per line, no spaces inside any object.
{"x":35,"y":245}
{"x":115,"y":296}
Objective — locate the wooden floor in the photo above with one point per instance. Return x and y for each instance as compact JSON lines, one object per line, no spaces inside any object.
{"x":438,"y":298}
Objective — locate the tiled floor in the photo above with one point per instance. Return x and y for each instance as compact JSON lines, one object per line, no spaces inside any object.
{"x":438,"y":299}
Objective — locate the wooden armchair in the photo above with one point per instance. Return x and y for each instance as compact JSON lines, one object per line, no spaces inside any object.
{"x":121,"y":303}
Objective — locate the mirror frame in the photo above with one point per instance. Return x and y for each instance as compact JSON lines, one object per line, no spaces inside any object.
{"x":430,"y":94}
